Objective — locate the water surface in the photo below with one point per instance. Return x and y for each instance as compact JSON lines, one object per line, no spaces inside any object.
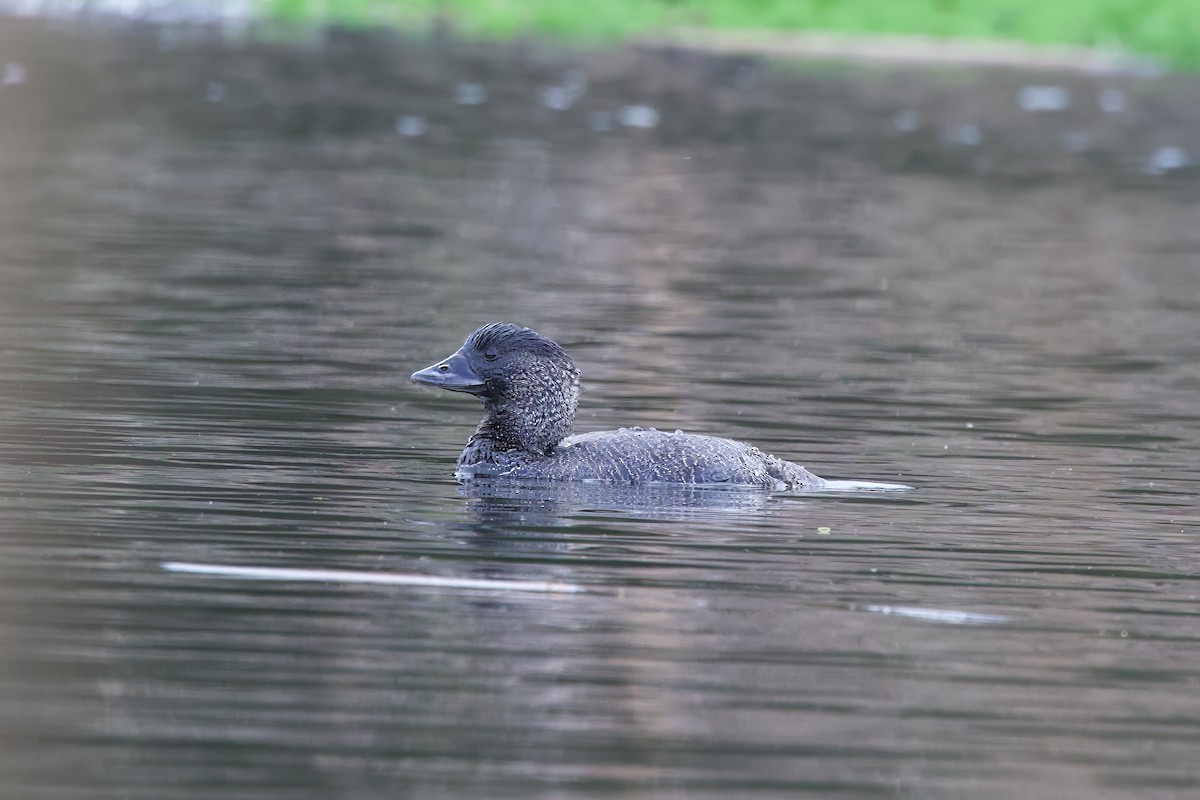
{"x":210,"y":300}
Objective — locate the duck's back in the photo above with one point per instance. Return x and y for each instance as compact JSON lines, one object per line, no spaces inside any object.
{"x":646,"y":455}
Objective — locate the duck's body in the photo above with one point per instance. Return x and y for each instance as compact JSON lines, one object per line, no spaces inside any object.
{"x":529,"y":387}
{"x":638,"y":455}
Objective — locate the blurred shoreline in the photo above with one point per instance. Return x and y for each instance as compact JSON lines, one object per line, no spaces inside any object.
{"x":910,"y":50}
{"x":976,"y":46}
{"x":1014,"y":124}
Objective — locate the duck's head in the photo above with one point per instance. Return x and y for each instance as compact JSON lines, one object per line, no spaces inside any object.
{"x":528,"y":384}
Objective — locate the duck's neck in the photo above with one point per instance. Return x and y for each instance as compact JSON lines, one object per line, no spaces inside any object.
{"x":533,"y":422}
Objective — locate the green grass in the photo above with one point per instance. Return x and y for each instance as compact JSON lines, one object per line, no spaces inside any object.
{"x":1166,"y":29}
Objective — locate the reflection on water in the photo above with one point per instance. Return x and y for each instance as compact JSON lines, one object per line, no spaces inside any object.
{"x":503,"y":503}
{"x":210,"y":300}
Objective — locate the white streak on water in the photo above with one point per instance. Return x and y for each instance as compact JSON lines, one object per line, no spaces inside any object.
{"x":860,"y":486}
{"x":948,"y":616}
{"x":378,"y":578}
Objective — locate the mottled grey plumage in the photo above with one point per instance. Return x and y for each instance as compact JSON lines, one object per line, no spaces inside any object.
{"x":529,"y":387}
{"x":648,"y":455}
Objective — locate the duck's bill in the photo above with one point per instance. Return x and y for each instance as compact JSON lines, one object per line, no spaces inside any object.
{"x":453,"y":374}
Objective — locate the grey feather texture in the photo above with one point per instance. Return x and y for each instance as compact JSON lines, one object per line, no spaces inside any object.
{"x":641,"y":455}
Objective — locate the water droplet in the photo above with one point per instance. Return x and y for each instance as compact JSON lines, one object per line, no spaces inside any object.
{"x":410,"y":126}
{"x":907,"y":121}
{"x":1165,"y":159}
{"x":967,"y":135}
{"x":557,"y":98}
{"x":1111,"y":100}
{"x":470,"y":94}
{"x":563,"y":96}
{"x":1043,"y":98}
{"x":214,"y":92}
{"x":638,"y":117}
{"x":14,"y":73}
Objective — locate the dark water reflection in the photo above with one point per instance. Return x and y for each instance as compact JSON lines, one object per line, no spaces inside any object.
{"x":208,"y":311}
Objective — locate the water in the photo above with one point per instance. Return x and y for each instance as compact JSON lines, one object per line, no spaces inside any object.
{"x":208,"y":312}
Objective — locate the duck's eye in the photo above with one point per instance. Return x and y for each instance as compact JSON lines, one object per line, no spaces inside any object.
{"x":490,"y":354}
